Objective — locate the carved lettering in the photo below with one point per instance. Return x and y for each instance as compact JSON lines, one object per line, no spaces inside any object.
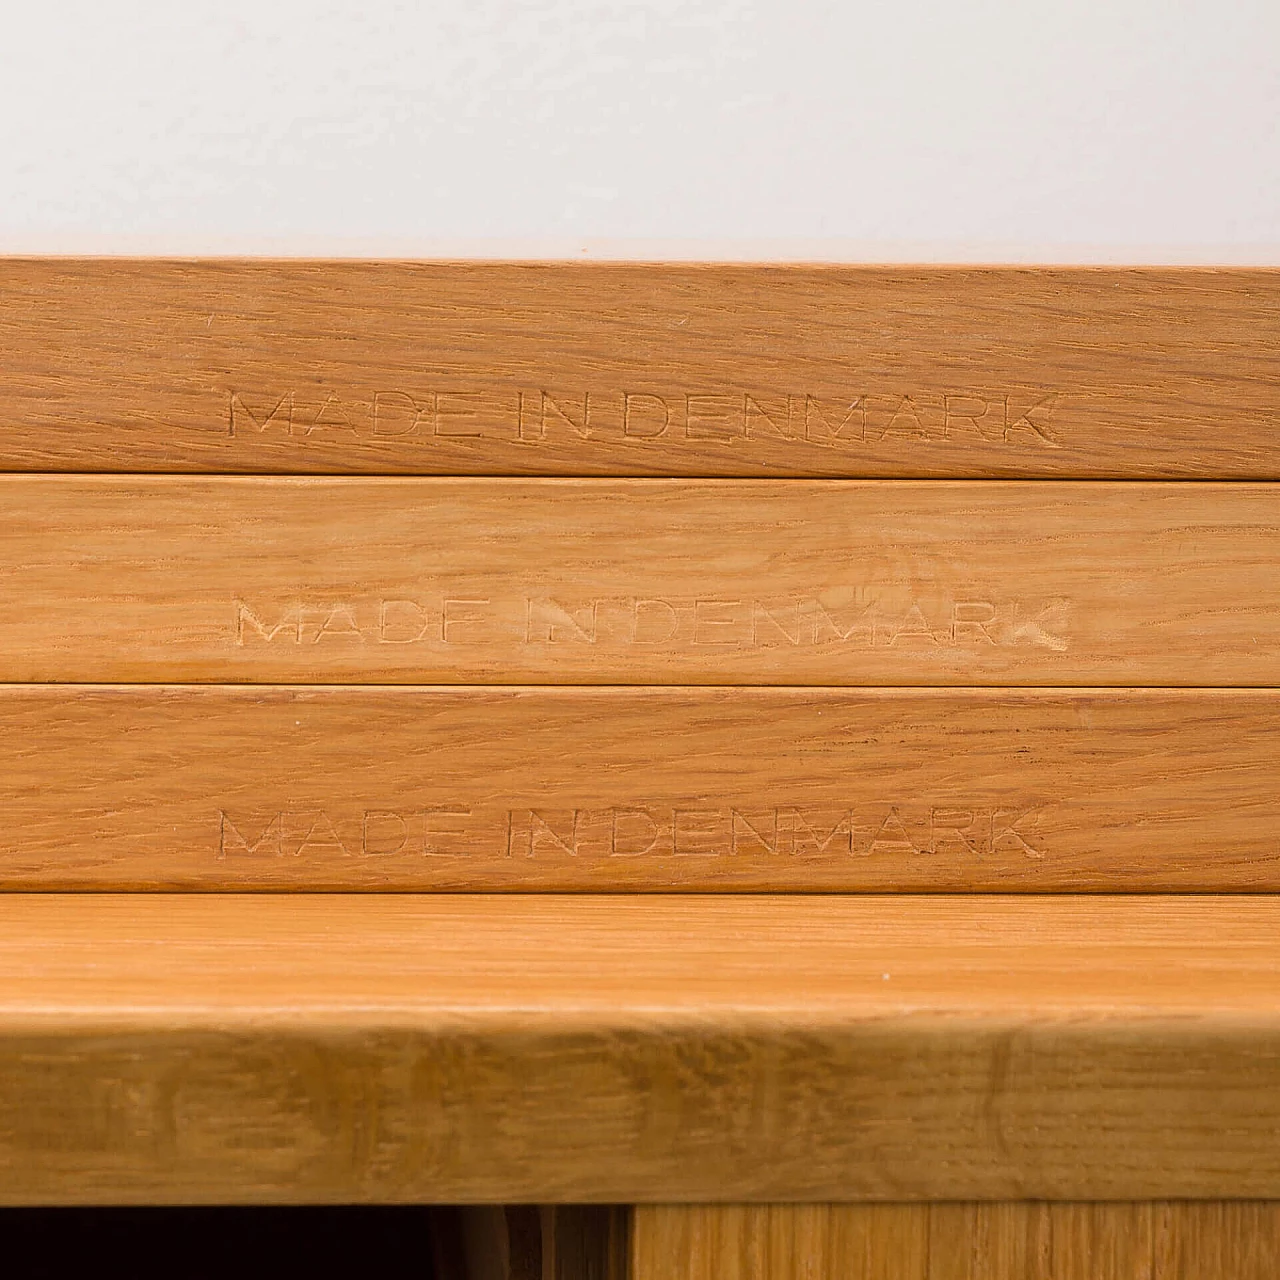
{"x":778,"y":622}
{"x":1034,"y":629}
{"x":397,"y":413}
{"x":241,"y":417}
{"x":808,"y":836}
{"x":953,"y":830}
{"x":970,"y":619}
{"x":1008,"y":831}
{"x":861,"y":626}
{"x":864,"y":617}
{"x":289,"y":624}
{"x":401,"y":621}
{"x":633,"y":833}
{"x":332,"y":415}
{"x":644,"y":417}
{"x":321,"y":835}
{"x":383,"y":833}
{"x":715,"y":622}
{"x":696,"y":832}
{"x":714,"y":418}
{"x":759,"y":420}
{"x":552,"y":410}
{"x":909,"y":830}
{"x":891,"y":836}
{"x":457,"y":415}
{"x":550,"y":622}
{"x":654,"y":622}
{"x":905,"y":422}
{"x":913,"y":625}
{"x":456,"y":614}
{"x":1023,"y":421}
{"x":232,"y":841}
{"x":443,"y":829}
{"x":850,"y":421}
{"x":562,"y":836}
{"x":965,"y":413}
{"x":751,"y":831}
{"x":853,"y":419}
{"x":340,"y":623}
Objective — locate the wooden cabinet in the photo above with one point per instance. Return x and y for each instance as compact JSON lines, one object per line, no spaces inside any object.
{"x":692,"y":771}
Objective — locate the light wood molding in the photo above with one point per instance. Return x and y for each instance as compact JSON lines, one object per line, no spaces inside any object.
{"x":536,"y":788}
{"x":696,"y":369}
{"x":637,"y":581}
{"x":255,"y":1049}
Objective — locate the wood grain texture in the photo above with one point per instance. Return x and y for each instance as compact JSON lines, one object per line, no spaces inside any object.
{"x":545,"y":1049}
{"x":535,"y":788}
{"x":637,"y":581}
{"x":781,"y":1242}
{"x":643,"y":369}
{"x":586,"y":1242}
{"x":529,"y":1242}
{"x":1144,"y":1240}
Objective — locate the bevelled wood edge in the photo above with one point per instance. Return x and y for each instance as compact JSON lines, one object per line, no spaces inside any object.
{"x":618,"y":1050}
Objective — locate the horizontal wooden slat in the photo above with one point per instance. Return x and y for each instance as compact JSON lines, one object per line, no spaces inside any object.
{"x":638,"y":789}
{"x":1146,"y":1240}
{"x":638,"y":581}
{"x":639,"y":369}
{"x":314,"y":1049}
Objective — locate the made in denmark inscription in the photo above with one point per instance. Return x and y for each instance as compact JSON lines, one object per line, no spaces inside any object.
{"x":638,"y":831}
{"x":857,"y":618}
{"x":539,"y":417}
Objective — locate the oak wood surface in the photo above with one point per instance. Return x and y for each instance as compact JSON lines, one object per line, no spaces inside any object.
{"x":1144,"y":1240}
{"x":646,"y":369}
{"x":350,"y":1049}
{"x":535,"y":788}
{"x":546,"y":1049}
{"x":637,"y":581}
{"x":780,"y":1242}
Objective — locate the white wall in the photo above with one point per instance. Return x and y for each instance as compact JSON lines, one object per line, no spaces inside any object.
{"x":1068,"y":129}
